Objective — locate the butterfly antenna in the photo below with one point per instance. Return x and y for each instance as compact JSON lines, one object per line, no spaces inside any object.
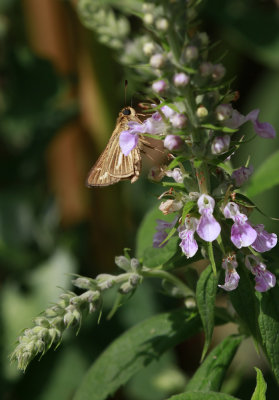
{"x":125,"y":90}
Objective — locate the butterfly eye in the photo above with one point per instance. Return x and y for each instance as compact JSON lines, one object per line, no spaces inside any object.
{"x":127,"y":111}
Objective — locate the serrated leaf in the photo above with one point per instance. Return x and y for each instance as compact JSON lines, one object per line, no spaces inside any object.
{"x":265,"y":177}
{"x":135,"y":349}
{"x":260,"y":390}
{"x":268,"y":321}
{"x":210,"y":374}
{"x":205,"y":296}
{"x":203,"y":396}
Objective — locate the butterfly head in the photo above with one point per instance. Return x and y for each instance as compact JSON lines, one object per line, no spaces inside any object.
{"x":128,"y":111}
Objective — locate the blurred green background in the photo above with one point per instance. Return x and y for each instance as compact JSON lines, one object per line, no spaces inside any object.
{"x":60,"y":94}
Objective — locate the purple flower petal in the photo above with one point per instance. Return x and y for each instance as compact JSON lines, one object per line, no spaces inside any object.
{"x":242,"y":233}
{"x":231,"y":280}
{"x":206,"y":202}
{"x":264,"y":129}
{"x":265,"y":241}
{"x":208,"y":228}
{"x":265,"y":280}
{"x":127,"y":142}
{"x":242,"y":174}
{"x":189,"y":245}
{"x":158,"y":238}
{"x":173,"y":142}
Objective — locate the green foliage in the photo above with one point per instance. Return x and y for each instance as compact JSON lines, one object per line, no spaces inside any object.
{"x":205,"y":295}
{"x":134,"y":350}
{"x":202,"y":395}
{"x":210,"y":375}
{"x":259,"y":393}
{"x":265,"y":177}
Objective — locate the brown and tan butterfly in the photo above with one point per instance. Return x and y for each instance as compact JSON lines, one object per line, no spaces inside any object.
{"x":113,"y":166}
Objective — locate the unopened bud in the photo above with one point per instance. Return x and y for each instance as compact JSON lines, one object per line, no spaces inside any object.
{"x":220,"y":144}
{"x":162,"y":24}
{"x":223,"y":111}
{"x":148,"y":19}
{"x":149,"y":48}
{"x":178,"y":120}
{"x":173,"y":142}
{"x":157,"y":61}
{"x":135,"y":264}
{"x":202,"y":112}
{"x":126,"y":287}
{"x":123,"y":262}
{"x":83,"y":283}
{"x":218,"y":72}
{"x":134,"y":279}
{"x":191,"y":53}
{"x":170,"y":206}
{"x":181,"y":79}
{"x":206,"y":69}
{"x":159,"y":86}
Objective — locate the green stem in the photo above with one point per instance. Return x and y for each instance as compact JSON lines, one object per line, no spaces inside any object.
{"x":211,"y":258}
{"x":159,"y":273}
{"x":203,"y":178}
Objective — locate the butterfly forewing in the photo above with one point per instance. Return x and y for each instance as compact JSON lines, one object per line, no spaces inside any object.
{"x":112,"y":165}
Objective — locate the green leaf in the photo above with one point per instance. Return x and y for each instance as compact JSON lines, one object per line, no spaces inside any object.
{"x":206,"y":293}
{"x":260,"y":390}
{"x":265,"y":177}
{"x":203,"y":396}
{"x":269,"y":326}
{"x":245,"y":302}
{"x":134,"y":350}
{"x":211,"y":373}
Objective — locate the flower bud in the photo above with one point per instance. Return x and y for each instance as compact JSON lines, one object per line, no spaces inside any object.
{"x":178,"y":120}
{"x":159,"y":86}
{"x":191,"y":53}
{"x":170,"y":206}
{"x":162,"y":24}
{"x":147,"y":7}
{"x":206,"y":69}
{"x":180,"y":79}
{"x":135,"y":264}
{"x":223,"y":111}
{"x":126,"y":287}
{"x":134,"y":279}
{"x":83,"y":283}
{"x":203,"y":36}
{"x":218,"y":72}
{"x":42,"y":321}
{"x":54,"y":334}
{"x":173,"y":142}
{"x":202,"y":112}
{"x":156,"y":174}
{"x":157,"y":61}
{"x":220,"y":144}
{"x":149,"y":48}
{"x":148,"y":19}
{"x":123,"y":263}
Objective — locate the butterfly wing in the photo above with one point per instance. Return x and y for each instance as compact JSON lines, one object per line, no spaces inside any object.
{"x":112,"y":165}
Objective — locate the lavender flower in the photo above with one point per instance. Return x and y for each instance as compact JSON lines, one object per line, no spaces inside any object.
{"x":181,"y":79}
{"x":263,"y":129}
{"x":176,"y":174}
{"x":264,"y":279}
{"x":173,"y":142}
{"x":188,"y":244}
{"x":159,"y":86}
{"x":178,"y":120}
{"x":208,"y":228}
{"x":242,"y":174}
{"x":231,"y":276}
{"x":161,"y":234}
{"x":220,"y":144}
{"x":265,"y":241}
{"x":242,"y":233}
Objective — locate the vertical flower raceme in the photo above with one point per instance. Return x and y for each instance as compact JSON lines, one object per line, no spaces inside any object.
{"x":264,"y":279}
{"x":231,"y":276}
